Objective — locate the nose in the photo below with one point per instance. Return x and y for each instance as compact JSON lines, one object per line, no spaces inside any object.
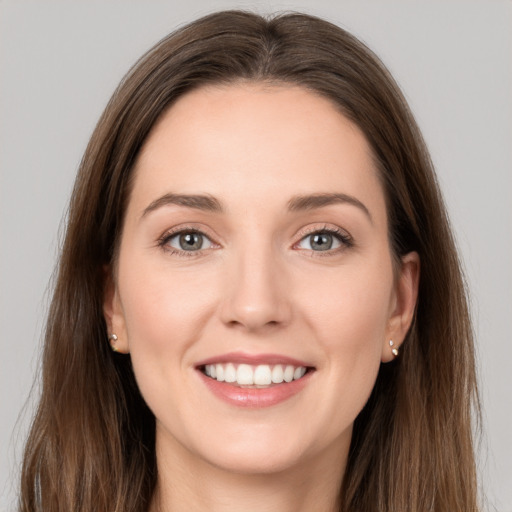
{"x":256,"y":295}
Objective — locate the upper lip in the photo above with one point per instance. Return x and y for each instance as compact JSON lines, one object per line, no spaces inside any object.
{"x":253,"y":359}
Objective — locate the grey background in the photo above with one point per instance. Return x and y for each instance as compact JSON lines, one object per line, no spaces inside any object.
{"x":59,"y":63}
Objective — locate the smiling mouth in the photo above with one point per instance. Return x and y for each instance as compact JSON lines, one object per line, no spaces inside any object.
{"x":254,"y":376}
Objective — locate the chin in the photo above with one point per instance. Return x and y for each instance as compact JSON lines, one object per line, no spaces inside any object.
{"x":252,"y":463}
{"x":256,"y":453}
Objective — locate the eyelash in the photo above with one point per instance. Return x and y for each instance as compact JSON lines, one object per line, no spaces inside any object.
{"x":344,"y":238}
{"x":169,"y":235}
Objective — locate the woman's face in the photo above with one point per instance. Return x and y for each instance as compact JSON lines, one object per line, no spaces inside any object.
{"x":255,"y":248}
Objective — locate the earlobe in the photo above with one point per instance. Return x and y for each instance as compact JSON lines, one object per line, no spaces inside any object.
{"x":406,"y":295}
{"x":113,"y":313}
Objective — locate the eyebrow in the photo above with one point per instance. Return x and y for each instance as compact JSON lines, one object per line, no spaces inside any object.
{"x":199,"y":202}
{"x":295,"y":204}
{"x":310,"y":202}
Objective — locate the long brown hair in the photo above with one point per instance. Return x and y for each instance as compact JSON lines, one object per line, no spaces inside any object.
{"x":92,"y":443}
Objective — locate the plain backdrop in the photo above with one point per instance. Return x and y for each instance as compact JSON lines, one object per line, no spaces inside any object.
{"x":61,"y":60}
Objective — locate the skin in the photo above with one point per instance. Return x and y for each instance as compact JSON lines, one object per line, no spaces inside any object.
{"x":257,"y":286}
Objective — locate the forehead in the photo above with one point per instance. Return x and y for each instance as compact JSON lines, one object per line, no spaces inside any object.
{"x":257,"y":142}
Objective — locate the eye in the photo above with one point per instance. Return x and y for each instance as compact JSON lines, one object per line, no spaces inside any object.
{"x":324,"y":240}
{"x":190,"y":241}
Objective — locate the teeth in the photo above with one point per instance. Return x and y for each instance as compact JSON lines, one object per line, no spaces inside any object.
{"x":230,"y":373}
{"x":244,"y":375}
{"x":277,"y":374}
{"x":288,"y":373}
{"x":260,"y":375}
{"x":299,"y":372}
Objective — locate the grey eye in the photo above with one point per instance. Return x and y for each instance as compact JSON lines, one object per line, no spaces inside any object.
{"x":190,"y":241}
{"x":321,"y":241}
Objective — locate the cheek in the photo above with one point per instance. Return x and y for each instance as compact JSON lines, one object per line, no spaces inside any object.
{"x":349,"y":315}
{"x":164,"y":313}
{"x":162,"y":308}
{"x":350,"y":308}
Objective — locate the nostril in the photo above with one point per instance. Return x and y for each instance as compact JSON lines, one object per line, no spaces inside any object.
{"x":253,"y":323}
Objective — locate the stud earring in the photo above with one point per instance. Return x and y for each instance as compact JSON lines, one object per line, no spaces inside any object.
{"x":113,"y":338}
{"x":394,"y":350}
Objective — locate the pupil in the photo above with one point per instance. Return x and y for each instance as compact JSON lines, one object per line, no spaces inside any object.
{"x":321,"y":242}
{"x":191,"y":241}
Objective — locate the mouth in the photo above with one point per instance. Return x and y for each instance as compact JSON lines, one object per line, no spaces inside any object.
{"x":254,"y":381}
{"x":259,"y":376}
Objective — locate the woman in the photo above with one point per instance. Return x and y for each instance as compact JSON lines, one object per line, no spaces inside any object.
{"x":257,"y":234}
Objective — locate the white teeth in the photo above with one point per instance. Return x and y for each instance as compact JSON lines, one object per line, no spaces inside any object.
{"x":245,"y":375}
{"x":210,"y":370}
{"x":299,"y":372}
{"x":220,"y":372}
{"x":263,"y":375}
{"x":288,"y":373}
{"x":230,"y":373}
{"x":260,"y":375}
{"x":277,"y":374}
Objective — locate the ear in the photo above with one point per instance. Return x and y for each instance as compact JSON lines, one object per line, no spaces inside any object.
{"x":113,"y":313}
{"x":404,"y":304}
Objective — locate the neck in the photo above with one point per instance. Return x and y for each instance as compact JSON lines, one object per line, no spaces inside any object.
{"x":188,"y":485}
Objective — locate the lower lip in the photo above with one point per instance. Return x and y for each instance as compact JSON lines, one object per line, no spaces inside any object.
{"x":255,"y":397}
